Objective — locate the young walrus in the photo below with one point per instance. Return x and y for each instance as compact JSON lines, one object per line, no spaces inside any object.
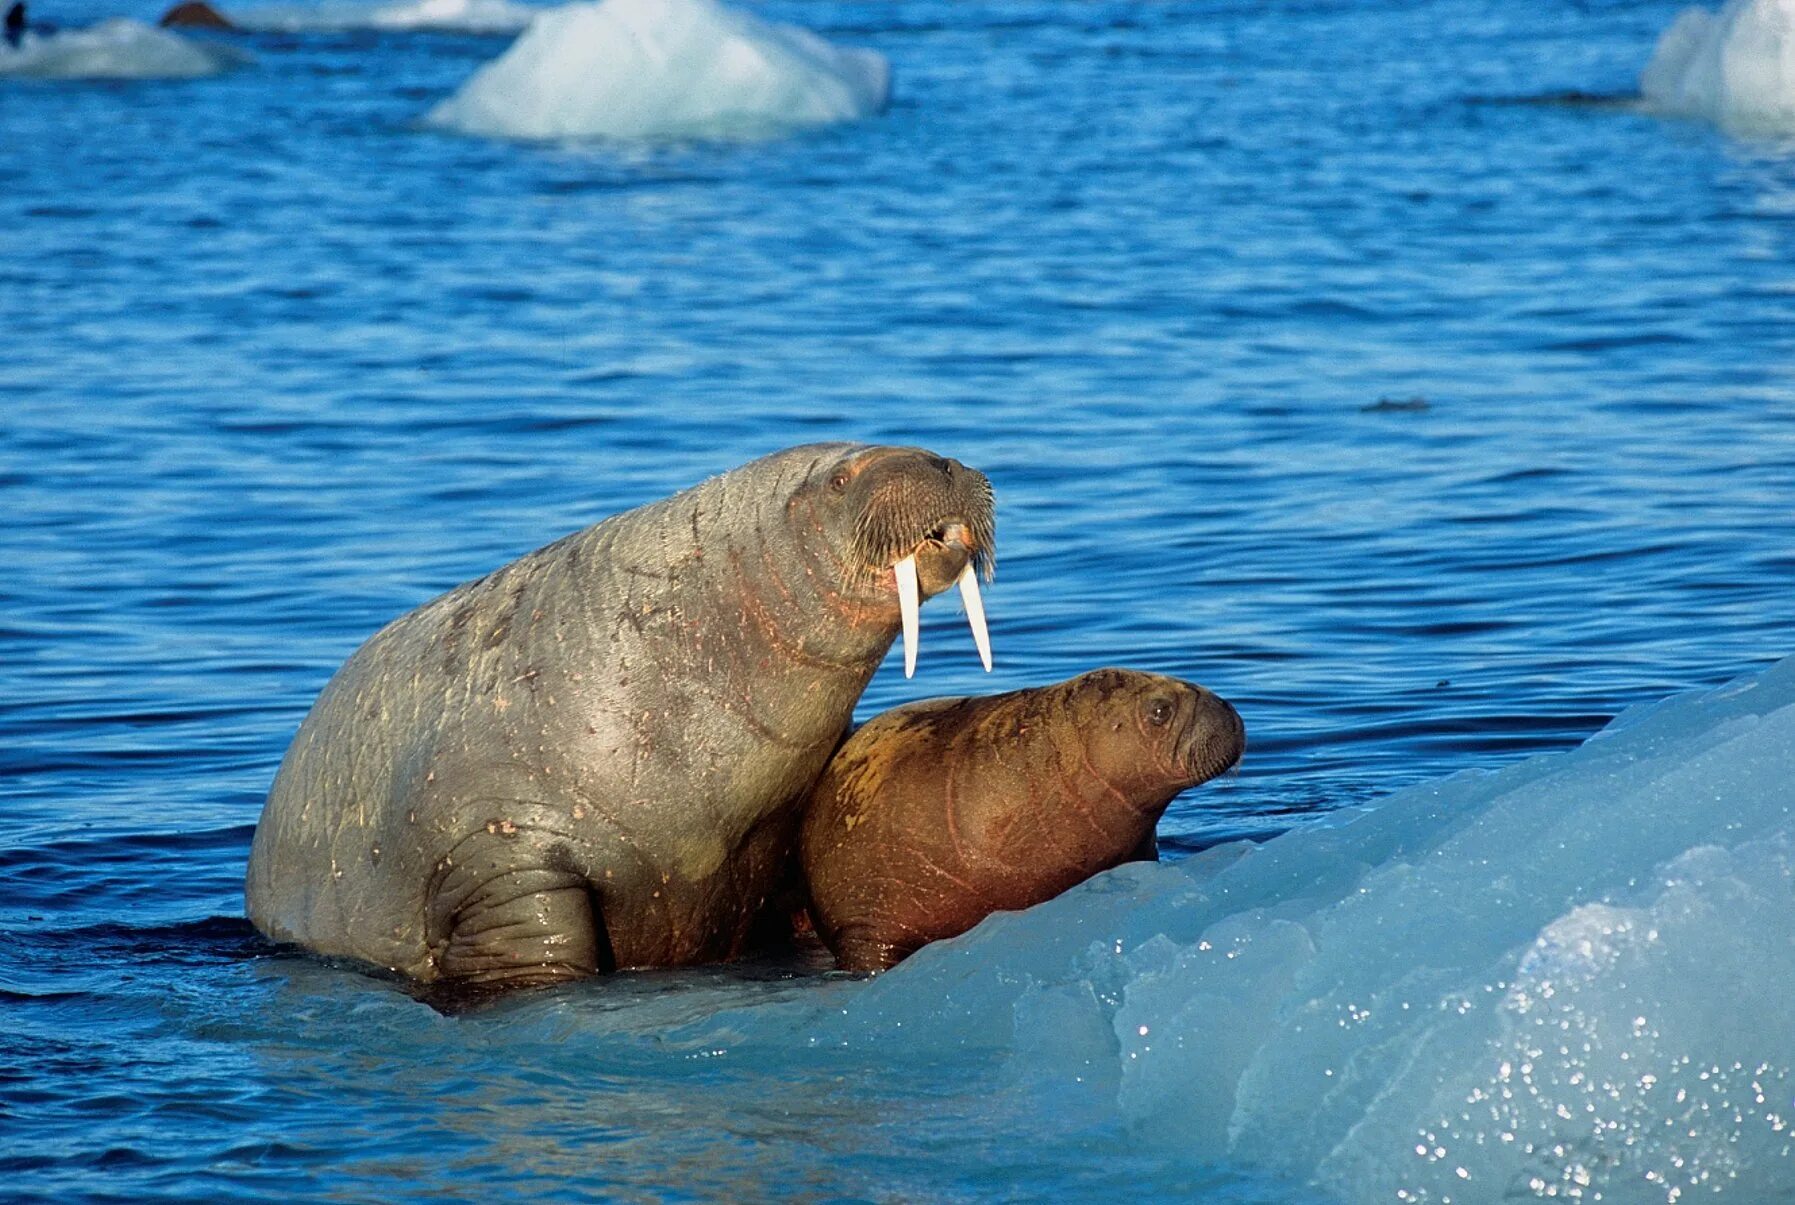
{"x":936,"y":814}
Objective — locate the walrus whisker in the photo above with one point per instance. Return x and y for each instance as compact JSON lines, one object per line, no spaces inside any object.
{"x":913,"y":515}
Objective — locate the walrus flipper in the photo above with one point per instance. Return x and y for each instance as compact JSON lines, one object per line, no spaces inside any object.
{"x":857,"y":952}
{"x":508,"y":908}
{"x":520,"y":931}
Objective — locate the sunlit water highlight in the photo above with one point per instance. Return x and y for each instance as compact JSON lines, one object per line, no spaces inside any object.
{"x":1430,"y":429}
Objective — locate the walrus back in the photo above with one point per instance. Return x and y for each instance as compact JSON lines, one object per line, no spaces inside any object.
{"x":362,"y":758}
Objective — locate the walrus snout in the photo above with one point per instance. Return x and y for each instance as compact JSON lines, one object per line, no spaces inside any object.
{"x":924,"y":523}
{"x":915,"y":503}
{"x":1214,"y":739}
{"x":943,"y":555}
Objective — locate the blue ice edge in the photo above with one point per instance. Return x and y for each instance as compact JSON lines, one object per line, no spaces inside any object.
{"x":1573,"y":976}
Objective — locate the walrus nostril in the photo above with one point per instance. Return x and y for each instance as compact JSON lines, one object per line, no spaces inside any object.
{"x":1214,"y":739}
{"x":952,"y":532}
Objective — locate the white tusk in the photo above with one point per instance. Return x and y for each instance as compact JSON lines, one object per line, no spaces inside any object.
{"x":975,"y":613}
{"x":909,"y":601}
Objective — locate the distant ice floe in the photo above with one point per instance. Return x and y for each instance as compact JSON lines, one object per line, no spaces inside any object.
{"x":644,"y":69}
{"x":1735,"y":68}
{"x":115,"y":49}
{"x":446,"y":16}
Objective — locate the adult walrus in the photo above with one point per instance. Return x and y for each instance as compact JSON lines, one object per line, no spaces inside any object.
{"x":592,"y":758}
{"x":936,"y":814}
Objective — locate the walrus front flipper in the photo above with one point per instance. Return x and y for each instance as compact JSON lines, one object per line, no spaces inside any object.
{"x":527,"y":927}
{"x":855,"y":952}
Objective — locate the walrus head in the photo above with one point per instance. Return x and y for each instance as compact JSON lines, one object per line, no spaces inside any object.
{"x":909,"y":524}
{"x":1160,"y":735}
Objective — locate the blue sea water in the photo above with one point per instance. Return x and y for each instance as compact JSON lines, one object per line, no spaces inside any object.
{"x":1333,"y":355}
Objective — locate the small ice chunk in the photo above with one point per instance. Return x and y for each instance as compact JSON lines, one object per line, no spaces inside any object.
{"x":448,"y":16}
{"x":1735,"y":68}
{"x":649,"y":69}
{"x":115,"y":49}
{"x":472,"y":16}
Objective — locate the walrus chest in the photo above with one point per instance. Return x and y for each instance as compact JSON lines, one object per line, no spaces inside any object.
{"x":678,"y":914}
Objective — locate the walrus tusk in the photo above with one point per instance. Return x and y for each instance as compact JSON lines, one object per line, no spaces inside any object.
{"x":909,"y":601}
{"x":975,"y":613}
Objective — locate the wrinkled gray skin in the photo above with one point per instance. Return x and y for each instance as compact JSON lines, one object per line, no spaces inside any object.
{"x":592,"y":758}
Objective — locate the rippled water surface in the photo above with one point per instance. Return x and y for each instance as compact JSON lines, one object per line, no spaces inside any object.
{"x":1312,"y":354}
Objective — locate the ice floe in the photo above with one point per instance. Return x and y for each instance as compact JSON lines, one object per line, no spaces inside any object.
{"x":651,"y":69}
{"x":1573,"y":977}
{"x":1735,"y":67}
{"x":118,"y":48}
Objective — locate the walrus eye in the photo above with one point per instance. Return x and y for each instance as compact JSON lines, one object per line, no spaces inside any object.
{"x":1159,"y":712}
{"x":839,"y":482}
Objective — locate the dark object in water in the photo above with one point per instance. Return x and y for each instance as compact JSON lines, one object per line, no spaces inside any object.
{"x":1385,"y":405}
{"x":15,"y":24}
{"x":195,"y":14}
{"x":1573,"y":98}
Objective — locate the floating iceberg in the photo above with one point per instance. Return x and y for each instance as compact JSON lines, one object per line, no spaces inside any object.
{"x":443,"y":16}
{"x":664,"y":69}
{"x":1735,"y":68}
{"x":115,"y":49}
{"x":1574,"y":977}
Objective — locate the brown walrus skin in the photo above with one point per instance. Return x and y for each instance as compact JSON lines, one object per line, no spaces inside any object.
{"x":592,"y":758}
{"x":195,"y":14}
{"x":934,"y":815}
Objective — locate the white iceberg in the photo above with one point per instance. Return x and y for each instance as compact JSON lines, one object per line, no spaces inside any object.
{"x":646,"y":69}
{"x":1574,"y":977}
{"x":442,"y":16}
{"x":1735,"y":68}
{"x":115,"y":49}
